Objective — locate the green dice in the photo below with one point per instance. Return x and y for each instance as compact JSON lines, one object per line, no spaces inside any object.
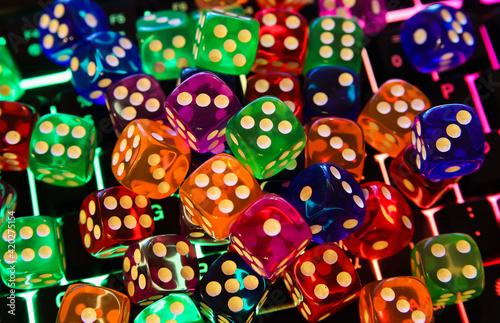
{"x":451,"y":267}
{"x":226,"y":42}
{"x":62,"y":149}
{"x":334,"y":41}
{"x":165,"y":40}
{"x":32,"y":252}
{"x":10,"y":77}
{"x":265,"y":136}
{"x":173,"y":308}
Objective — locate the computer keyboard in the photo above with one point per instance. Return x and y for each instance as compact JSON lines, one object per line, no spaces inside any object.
{"x":471,"y":207}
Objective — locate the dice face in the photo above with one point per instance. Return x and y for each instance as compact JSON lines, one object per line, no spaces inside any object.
{"x":175,"y":306}
{"x":398,"y":299}
{"x":150,"y":159}
{"x":10,"y":77}
{"x":199,"y":109}
{"x":112,"y":219}
{"x":231,"y":290}
{"x":38,"y":259}
{"x":437,"y":39}
{"x":448,"y":141}
{"x":166,"y":43}
{"x":329,"y":199}
{"x":135,"y":97}
{"x":239,"y":36}
{"x":8,"y":200}
{"x":159,"y":265}
{"x":388,"y":226}
{"x":339,"y":141}
{"x":451,"y":267}
{"x":387,"y":118}
{"x":270,"y":235}
{"x":62,"y":149}
{"x":65,"y":23}
{"x":332,"y":91}
{"x":322,"y":281}
{"x":103,"y":58}
{"x":420,"y":190}
{"x":282,"y":41}
{"x":291,"y":5}
{"x":265,"y":136}
{"x":334,"y":41}
{"x":87,"y":303}
{"x":217,"y":192}
{"x":17,"y":122}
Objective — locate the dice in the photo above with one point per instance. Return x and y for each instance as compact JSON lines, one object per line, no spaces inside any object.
{"x":270,"y":235}
{"x":199,"y":109}
{"x":159,"y":265}
{"x":397,"y":299}
{"x":332,"y":91}
{"x":8,"y":201}
{"x":238,"y":35}
{"x":103,"y":58}
{"x":282,"y":41}
{"x":88,"y":303}
{"x":10,"y":77}
{"x":112,"y":219}
{"x":65,"y":23}
{"x":334,"y":41}
{"x":451,"y":267}
{"x":265,"y":136}
{"x":339,"y":141}
{"x":150,"y":159}
{"x":175,"y":306}
{"x":17,"y":121}
{"x":448,"y":141}
{"x":231,"y":290}
{"x":166,"y":43}
{"x":285,"y":4}
{"x":322,"y":281}
{"x":135,"y":97}
{"x":329,"y":199}
{"x":217,"y":193}
{"x":387,"y":118}
{"x":388,"y":226}
{"x":32,"y":252}
{"x":438,"y":39}
{"x":62,"y":149}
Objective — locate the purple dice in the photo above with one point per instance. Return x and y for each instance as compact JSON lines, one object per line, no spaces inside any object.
{"x":329,"y":199}
{"x":135,"y":97}
{"x":270,"y":235}
{"x":199,"y":109}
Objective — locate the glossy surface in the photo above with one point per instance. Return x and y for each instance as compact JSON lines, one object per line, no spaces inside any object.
{"x":38,"y":259}
{"x":322,"y":281}
{"x":10,"y":77}
{"x":150,"y":159}
{"x":329,"y":199}
{"x":112,"y":219}
{"x":217,"y":192}
{"x":451,"y":267}
{"x":159,"y":265}
{"x":62,"y":149}
{"x":265,"y":136}
{"x":178,"y":307}
{"x":293,"y":5}
{"x":270,"y":235}
{"x":387,"y":118}
{"x":8,"y":200}
{"x":448,"y":141}
{"x":388,"y":226}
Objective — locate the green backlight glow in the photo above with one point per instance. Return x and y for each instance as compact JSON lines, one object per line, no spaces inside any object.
{"x":28,"y":296}
{"x":3,"y":41}
{"x":97,"y":281}
{"x":53,"y":109}
{"x":46,"y":80}
{"x":34,"y":196}
{"x":97,"y":168}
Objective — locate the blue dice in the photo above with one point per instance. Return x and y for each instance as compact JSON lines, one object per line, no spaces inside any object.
{"x":448,"y":141}
{"x":65,"y":23}
{"x":437,"y":39}
{"x":332,"y":91}
{"x":330,"y":200}
{"x":100,"y":60}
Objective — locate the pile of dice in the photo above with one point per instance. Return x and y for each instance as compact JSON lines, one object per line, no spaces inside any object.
{"x":290,"y":235}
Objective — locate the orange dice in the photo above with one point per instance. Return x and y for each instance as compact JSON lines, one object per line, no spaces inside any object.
{"x":217,"y":192}
{"x":150,"y":159}
{"x":387,"y":118}
{"x":338,"y":141}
